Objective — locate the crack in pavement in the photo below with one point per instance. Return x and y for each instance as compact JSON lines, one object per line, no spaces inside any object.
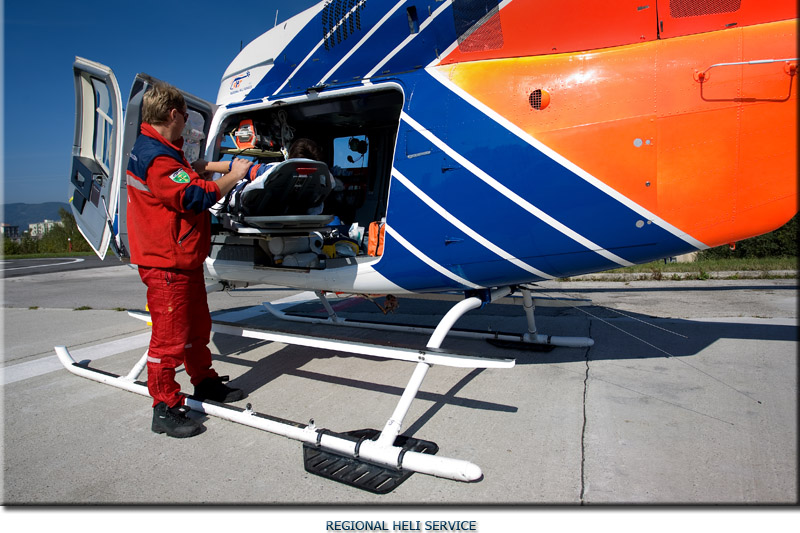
{"x":583,"y":429}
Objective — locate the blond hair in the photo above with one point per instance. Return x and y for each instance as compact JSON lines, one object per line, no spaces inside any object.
{"x":159,"y":100}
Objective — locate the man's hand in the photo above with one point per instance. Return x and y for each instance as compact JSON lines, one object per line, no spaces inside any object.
{"x":240,"y":167}
{"x":238,"y":170}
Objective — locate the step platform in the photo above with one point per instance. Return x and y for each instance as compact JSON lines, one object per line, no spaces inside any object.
{"x":360,"y":474}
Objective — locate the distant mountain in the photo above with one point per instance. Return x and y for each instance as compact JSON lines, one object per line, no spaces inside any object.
{"x":23,"y":214}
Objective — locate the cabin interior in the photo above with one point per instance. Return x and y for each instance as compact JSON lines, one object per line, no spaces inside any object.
{"x":357,"y":135}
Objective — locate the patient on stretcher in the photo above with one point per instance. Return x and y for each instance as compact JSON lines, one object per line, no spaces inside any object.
{"x":297,"y":186}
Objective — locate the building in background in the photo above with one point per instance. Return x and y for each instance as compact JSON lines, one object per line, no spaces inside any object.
{"x":38,"y":229}
{"x":9,"y":232}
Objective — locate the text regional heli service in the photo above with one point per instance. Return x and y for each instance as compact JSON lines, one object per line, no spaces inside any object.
{"x":401,"y":525}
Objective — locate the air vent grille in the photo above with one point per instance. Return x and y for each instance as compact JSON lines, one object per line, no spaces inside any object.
{"x":698,"y":8}
{"x":340,"y":19}
{"x":478,"y":25}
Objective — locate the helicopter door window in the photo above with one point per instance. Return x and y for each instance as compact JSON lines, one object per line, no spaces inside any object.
{"x":350,"y":167}
{"x":104,"y":125}
{"x":351,"y":152}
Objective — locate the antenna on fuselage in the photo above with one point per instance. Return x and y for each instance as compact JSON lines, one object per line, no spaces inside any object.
{"x":276,"y":18}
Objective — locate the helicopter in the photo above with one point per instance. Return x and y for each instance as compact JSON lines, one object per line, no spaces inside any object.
{"x":479,"y":147}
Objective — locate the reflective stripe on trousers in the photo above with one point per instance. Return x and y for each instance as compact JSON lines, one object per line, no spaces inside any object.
{"x":181,"y":330}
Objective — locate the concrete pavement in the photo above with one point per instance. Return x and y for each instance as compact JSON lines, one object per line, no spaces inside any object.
{"x":688,"y":396}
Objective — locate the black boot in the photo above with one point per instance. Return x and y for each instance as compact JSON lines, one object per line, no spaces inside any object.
{"x":213,"y":389}
{"x":174,"y":422}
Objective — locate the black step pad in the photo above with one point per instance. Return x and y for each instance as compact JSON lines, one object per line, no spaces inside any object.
{"x":358,"y":473}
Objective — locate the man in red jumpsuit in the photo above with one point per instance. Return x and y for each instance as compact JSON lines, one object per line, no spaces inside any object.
{"x":170,"y":236}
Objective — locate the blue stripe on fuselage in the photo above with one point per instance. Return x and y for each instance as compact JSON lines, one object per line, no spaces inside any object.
{"x":406,"y":270}
{"x":487,"y":212}
{"x":369,"y":53}
{"x":534,"y":176}
{"x":318,"y":65}
{"x":286,"y":62}
{"x":425,"y":47}
{"x":420,"y":51}
{"x":447,"y":245}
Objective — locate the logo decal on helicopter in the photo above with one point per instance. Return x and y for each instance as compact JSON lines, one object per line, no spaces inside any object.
{"x":237,"y":84}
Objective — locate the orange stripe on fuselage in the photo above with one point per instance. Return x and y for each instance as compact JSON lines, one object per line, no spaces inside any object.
{"x":716,"y":160}
{"x":525,"y":28}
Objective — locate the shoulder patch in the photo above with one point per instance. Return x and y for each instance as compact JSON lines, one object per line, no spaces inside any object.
{"x":180,"y":176}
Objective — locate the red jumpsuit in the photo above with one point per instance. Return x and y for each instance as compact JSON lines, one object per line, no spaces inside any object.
{"x":169,"y":237}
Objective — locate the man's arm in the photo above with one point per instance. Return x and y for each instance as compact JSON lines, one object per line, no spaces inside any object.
{"x":182,"y":189}
{"x":232,"y":172}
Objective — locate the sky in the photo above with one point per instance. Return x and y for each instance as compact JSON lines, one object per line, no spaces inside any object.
{"x":189,"y":48}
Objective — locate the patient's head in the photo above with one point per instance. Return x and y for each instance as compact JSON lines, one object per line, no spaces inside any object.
{"x":305,"y":148}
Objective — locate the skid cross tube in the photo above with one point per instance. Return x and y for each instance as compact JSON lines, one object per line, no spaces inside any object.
{"x":395,"y":424}
{"x":360,"y":348}
{"x":533,"y":337}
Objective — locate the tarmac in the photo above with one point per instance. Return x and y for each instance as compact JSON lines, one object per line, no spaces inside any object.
{"x":687,"y":397}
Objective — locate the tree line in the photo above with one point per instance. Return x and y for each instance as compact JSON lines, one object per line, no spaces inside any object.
{"x":779,"y":243}
{"x":57,"y":240}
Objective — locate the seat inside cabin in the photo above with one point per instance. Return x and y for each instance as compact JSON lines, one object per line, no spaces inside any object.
{"x":293,"y":188}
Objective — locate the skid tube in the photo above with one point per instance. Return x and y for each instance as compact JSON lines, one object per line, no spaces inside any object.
{"x":382,"y":451}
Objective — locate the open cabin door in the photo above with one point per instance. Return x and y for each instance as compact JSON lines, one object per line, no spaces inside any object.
{"x":96,"y":153}
{"x":102,"y":148}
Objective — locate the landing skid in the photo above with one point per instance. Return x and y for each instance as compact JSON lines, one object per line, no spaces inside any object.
{"x":394,"y":457}
{"x":531,"y":340}
{"x":372,"y":460}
